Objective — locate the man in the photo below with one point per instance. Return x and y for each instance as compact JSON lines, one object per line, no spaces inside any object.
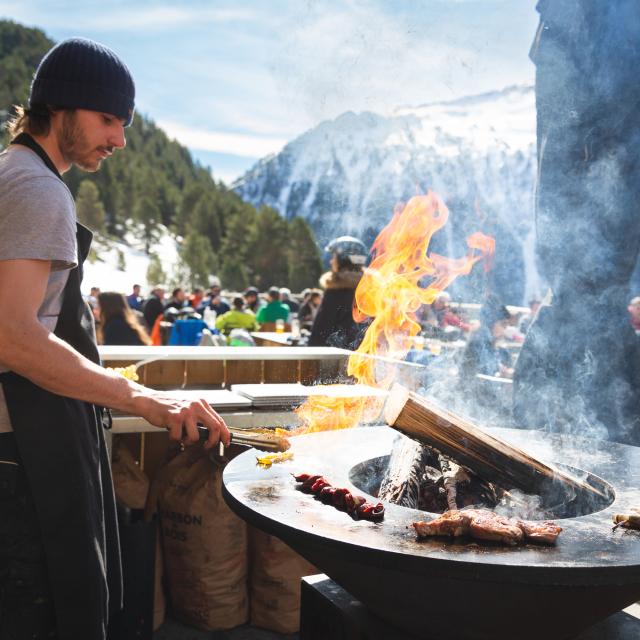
{"x":92,"y":298}
{"x":92,"y":301}
{"x":285,"y":298}
{"x":59,"y":555}
{"x":214,"y":301}
{"x":251,"y":299}
{"x":177,"y":300}
{"x":196,"y":297}
{"x":154,"y":306}
{"x":274,"y":309}
{"x":134,"y":299}
{"x":483,"y":353}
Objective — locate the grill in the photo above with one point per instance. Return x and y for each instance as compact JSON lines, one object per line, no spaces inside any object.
{"x":437,"y":587}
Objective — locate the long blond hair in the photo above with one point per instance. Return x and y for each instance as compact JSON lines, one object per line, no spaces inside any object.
{"x":113,"y":304}
{"x":35,"y":120}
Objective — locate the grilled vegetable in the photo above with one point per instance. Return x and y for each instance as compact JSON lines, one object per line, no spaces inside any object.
{"x":274,"y":458}
{"x":129,"y":372}
{"x":627,"y":520}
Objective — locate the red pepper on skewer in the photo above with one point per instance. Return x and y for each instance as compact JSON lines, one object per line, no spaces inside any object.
{"x":319,"y":484}
{"x":370,"y":511}
{"x":340,"y":498}
{"x":309,"y":482}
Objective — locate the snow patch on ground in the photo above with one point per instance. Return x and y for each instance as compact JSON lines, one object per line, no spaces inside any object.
{"x":106,"y":274}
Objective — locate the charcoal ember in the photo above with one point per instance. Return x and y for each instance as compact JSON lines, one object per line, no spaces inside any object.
{"x":470,"y":490}
{"x":476,"y":492}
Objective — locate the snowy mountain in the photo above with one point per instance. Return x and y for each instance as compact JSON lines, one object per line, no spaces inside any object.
{"x":346,"y":176}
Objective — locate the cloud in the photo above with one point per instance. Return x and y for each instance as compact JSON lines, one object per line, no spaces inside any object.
{"x":364,"y":55}
{"x":245,"y":145}
{"x":123,"y":17}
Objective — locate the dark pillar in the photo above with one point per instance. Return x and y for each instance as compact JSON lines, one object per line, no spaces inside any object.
{"x":579,"y":368}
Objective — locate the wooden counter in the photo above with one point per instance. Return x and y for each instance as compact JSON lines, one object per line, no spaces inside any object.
{"x":181,"y":367}
{"x":215,"y":367}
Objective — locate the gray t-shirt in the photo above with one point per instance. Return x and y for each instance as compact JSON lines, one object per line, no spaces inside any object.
{"x":37,"y":222}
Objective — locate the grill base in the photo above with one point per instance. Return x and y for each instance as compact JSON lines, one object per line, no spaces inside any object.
{"x":486,"y":591}
{"x":328,"y":611}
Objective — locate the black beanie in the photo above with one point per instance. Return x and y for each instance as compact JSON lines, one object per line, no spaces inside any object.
{"x":83,"y":74}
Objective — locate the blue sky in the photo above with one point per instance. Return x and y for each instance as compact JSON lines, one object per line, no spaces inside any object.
{"x":235,"y":81}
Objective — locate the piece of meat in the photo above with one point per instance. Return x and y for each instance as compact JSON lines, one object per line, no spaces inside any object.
{"x":486,"y":525}
{"x":545,"y":532}
{"x":450,"y":523}
{"x":482,"y":524}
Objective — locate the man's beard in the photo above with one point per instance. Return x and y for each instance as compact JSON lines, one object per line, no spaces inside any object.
{"x":74,"y":145}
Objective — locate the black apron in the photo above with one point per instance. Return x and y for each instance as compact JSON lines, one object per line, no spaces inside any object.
{"x":62,"y":447}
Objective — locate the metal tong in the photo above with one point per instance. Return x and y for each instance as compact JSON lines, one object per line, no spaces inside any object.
{"x":265,"y":442}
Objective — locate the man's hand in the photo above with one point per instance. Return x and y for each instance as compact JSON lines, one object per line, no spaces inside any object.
{"x":181,"y":417}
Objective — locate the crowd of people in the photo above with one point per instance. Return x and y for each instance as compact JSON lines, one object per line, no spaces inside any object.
{"x":318,"y":317}
{"x":137,"y":320}
{"x":322,"y":317}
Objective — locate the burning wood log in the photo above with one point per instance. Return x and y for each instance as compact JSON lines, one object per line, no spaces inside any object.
{"x":420,"y":478}
{"x":493,"y":459}
{"x":402,"y":479}
{"x":452,"y":474}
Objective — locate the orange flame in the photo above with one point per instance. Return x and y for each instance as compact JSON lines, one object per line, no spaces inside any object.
{"x":391,"y":292}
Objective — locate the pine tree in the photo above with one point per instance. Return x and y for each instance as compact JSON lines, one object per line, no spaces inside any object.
{"x":89,"y":207}
{"x":197,"y":254}
{"x":155,"y":272}
{"x":304,"y":262}
{"x":236,"y":269}
{"x":147,"y":213}
{"x":268,"y":252}
{"x":206,"y":219}
{"x":190,"y":196}
{"x":122,"y":263}
{"x":234,"y":274}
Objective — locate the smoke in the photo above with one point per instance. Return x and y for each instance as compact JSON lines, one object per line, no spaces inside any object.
{"x":516,"y":504}
{"x":579,"y":369}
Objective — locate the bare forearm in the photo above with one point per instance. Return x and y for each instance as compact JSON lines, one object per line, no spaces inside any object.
{"x":34,"y":353}
{"x":31,"y":351}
